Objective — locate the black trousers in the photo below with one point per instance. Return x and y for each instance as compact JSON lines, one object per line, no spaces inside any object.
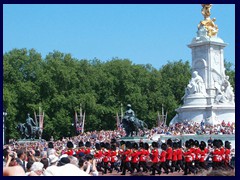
{"x":203,"y":165}
{"x":175,"y":165}
{"x":180,"y":163}
{"x":154,"y":168}
{"x":114,"y":166}
{"x":135,"y":166}
{"x":106,"y":167}
{"x":168,"y":165}
{"x":189,"y":167}
{"x":164,"y":166}
{"x":143,"y":164}
{"x":126,"y":166}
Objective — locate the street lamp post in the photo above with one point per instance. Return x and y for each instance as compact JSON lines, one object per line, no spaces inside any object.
{"x":4,"y":115}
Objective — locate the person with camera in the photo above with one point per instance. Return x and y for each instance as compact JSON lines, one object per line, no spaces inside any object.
{"x":9,"y":158}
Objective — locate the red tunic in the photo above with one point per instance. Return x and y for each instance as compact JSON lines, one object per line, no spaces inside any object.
{"x":87,"y":151}
{"x":192,"y":150}
{"x":188,"y":156}
{"x":179,"y":154}
{"x":127,"y":154}
{"x":174,"y":155}
{"x":203,"y":155}
{"x":106,"y":155}
{"x":135,"y":156}
{"x":227,"y":155}
{"x":163,"y":156}
{"x":222,"y":153}
{"x":80,"y":150}
{"x":98,"y":156}
{"x":113,"y":155}
{"x":169,"y":153}
{"x":217,"y":155}
{"x":154,"y":154}
{"x":197,"y":153}
{"x":142,"y":156}
{"x":69,"y":152}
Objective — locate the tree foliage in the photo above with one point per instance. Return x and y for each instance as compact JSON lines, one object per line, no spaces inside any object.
{"x":58,"y":83}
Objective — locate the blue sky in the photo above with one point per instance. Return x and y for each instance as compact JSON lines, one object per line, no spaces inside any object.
{"x":153,"y":34}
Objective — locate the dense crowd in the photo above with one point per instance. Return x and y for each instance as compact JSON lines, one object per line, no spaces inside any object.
{"x":102,"y":153}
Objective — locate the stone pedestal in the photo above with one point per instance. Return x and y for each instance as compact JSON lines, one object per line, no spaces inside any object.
{"x":216,"y":102}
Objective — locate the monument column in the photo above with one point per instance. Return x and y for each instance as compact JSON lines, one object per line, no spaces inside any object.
{"x":209,"y":95}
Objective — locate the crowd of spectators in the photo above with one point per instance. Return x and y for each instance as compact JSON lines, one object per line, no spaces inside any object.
{"x":44,"y":158}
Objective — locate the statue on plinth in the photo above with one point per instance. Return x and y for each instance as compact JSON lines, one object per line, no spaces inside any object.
{"x":29,"y":129}
{"x":132,"y":124}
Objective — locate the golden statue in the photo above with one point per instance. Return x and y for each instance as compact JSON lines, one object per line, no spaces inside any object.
{"x":208,"y":23}
{"x":206,"y":10}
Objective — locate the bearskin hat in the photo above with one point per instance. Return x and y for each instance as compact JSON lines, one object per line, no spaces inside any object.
{"x":128,"y":145}
{"x":141,"y":145}
{"x":122,"y":142}
{"x":88,"y":144}
{"x":227,"y":145}
{"x":196,"y":143}
{"x":164,"y":146}
{"x":113,"y":147}
{"x":202,"y":147}
{"x":102,"y":144}
{"x":221,"y":142}
{"x":146,"y":146}
{"x":69,"y":144}
{"x":80,"y":144}
{"x":98,"y":146}
{"x":135,"y":145}
{"x":107,"y":146}
{"x":188,"y":144}
{"x":180,"y":144}
{"x":203,"y":143}
{"x":175,"y":145}
{"x":214,"y":143}
{"x":169,"y":142}
{"x":191,"y":141}
{"x":155,"y":144}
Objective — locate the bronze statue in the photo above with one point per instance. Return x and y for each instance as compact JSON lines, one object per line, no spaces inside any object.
{"x":132,"y":124}
{"x":29,"y":129}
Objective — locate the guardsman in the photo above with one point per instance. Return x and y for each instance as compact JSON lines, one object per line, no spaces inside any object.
{"x":98,"y":156}
{"x":88,"y":147}
{"x":135,"y":158}
{"x":227,"y":158}
{"x":143,"y":153}
{"x":197,"y":154}
{"x":120,"y":153}
{"x":114,"y":159}
{"x":70,"y":150}
{"x":81,"y":148}
{"x":217,"y":158}
{"x":163,"y":158}
{"x":188,"y":159}
{"x":180,"y":155}
{"x":203,"y":156}
{"x":127,"y":158}
{"x":107,"y":158}
{"x":169,"y":155}
{"x":155,"y":159}
{"x":174,"y":157}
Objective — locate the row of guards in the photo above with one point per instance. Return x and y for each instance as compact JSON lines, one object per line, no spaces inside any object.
{"x":79,"y":120}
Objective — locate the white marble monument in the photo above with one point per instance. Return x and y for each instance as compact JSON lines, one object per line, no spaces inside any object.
{"x":209,"y":96}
